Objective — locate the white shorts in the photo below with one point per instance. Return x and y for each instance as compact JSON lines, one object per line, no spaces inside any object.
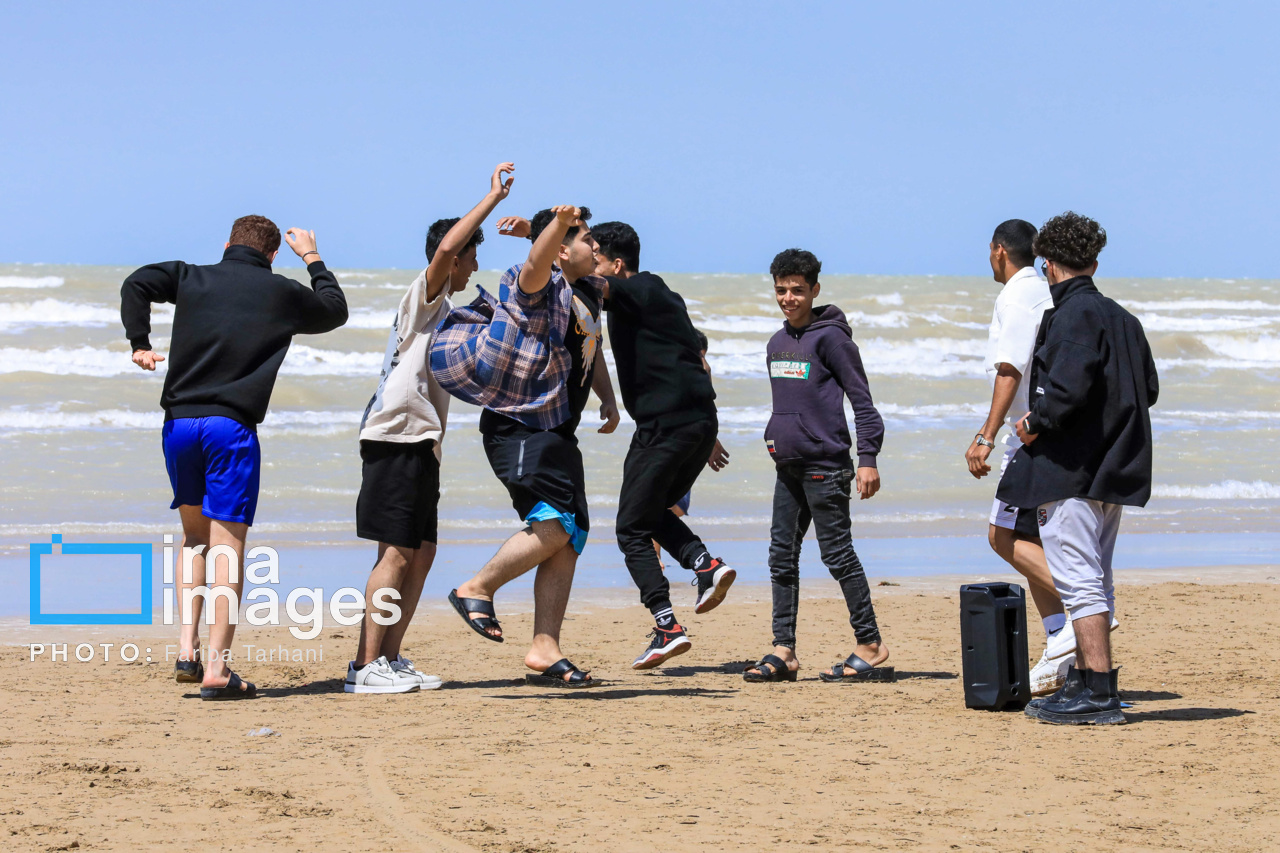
{"x":1003,"y":515}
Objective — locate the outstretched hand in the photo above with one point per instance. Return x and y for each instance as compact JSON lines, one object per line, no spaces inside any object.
{"x":147,"y":359}
{"x":514,"y":226}
{"x":610,"y":415}
{"x":567,"y":214}
{"x":302,"y":241}
{"x":719,"y":457}
{"x":497,"y":186}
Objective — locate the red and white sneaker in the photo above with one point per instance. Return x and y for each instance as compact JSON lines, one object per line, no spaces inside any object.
{"x":713,"y":584}
{"x":666,"y":644}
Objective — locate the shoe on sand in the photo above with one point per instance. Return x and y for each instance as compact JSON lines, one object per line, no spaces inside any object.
{"x":1050,"y":673}
{"x":403,"y":664}
{"x":378,"y":677}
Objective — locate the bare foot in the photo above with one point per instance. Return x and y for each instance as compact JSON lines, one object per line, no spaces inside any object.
{"x":465,"y":591}
{"x":873,"y":653}
{"x":788,"y":655}
{"x":539,"y":663}
{"x":222,"y":679}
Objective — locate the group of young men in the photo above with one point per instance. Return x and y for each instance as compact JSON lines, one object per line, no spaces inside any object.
{"x":531,"y":354}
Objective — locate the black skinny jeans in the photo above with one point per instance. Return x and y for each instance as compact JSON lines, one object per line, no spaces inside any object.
{"x":820,"y":494}
{"x":661,"y":466}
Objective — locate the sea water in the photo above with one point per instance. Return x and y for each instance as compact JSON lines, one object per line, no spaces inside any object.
{"x":80,"y":423}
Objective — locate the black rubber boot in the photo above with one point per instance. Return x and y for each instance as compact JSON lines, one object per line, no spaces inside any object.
{"x":1088,"y":698}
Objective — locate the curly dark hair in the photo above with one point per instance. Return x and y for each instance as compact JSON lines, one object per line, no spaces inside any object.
{"x":796,"y":262}
{"x":436,"y":234}
{"x":543,"y":218}
{"x":1072,"y":240}
{"x":257,"y":232}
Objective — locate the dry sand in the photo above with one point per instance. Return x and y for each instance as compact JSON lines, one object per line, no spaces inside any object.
{"x":109,"y":756}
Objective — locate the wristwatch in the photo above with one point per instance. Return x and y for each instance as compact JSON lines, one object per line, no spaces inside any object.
{"x":982,"y":442}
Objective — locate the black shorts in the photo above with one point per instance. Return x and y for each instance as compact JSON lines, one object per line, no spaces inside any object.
{"x":399,"y":497}
{"x":539,"y":466}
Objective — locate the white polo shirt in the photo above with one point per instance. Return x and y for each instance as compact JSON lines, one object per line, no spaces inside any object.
{"x":1014,"y":326}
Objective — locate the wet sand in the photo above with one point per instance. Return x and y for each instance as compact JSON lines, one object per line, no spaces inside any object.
{"x":115,"y":756}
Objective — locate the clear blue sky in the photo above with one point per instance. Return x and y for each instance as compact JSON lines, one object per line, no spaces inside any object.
{"x":887,"y":138}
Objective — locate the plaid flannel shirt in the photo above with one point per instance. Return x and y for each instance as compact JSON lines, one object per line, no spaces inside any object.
{"x":516,"y":364}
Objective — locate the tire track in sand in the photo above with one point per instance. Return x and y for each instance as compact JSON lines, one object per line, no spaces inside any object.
{"x":390,"y":809}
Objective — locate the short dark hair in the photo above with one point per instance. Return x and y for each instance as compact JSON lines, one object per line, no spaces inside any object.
{"x":543,"y":218}
{"x":796,"y":262}
{"x":1072,"y":240}
{"x":439,"y":228}
{"x":1017,"y":236}
{"x":619,"y":240}
{"x":256,"y":232}
{"x":702,"y":340}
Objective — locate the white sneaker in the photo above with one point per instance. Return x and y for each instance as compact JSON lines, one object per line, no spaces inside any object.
{"x":1062,"y":643}
{"x":1050,"y":674}
{"x":403,"y":665}
{"x":378,"y":677}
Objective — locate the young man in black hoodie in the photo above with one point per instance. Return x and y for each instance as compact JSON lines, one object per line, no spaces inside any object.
{"x":1086,"y":454}
{"x":232,"y":325}
{"x":813,"y":365}
{"x":667,"y":391}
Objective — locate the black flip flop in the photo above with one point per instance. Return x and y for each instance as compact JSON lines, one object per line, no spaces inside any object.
{"x":862,"y":671}
{"x":477,"y":605}
{"x":553,"y":676}
{"x":232,"y":691}
{"x":188,"y":671}
{"x":777,"y":671}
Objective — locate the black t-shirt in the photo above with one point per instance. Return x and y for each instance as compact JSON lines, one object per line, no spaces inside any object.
{"x":582,"y":340}
{"x":656,"y":352}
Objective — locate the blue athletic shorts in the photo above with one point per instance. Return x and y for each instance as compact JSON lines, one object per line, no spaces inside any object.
{"x":213,"y":463}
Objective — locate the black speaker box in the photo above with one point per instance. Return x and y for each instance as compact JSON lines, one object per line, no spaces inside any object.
{"x":993,"y":636}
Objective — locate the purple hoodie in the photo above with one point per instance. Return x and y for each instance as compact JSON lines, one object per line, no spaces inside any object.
{"x":810,"y":371}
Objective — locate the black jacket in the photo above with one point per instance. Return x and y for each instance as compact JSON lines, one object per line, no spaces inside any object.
{"x":656,"y":353}
{"x":1092,"y":382}
{"x":232,"y":326}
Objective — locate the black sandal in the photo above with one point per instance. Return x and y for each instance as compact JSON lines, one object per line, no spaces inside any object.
{"x":553,"y":676}
{"x":479,"y":623}
{"x":188,"y":671}
{"x":231,"y":691}
{"x":862,"y":671}
{"x":777,"y":670}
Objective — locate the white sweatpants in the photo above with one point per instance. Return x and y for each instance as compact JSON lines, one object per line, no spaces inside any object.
{"x":1079,"y":537}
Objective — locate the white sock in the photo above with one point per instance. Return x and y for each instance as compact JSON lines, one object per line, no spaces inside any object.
{"x":1053,"y":624}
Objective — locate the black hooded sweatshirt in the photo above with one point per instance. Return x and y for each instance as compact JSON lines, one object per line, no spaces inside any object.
{"x":1092,"y":382}
{"x":232,"y":325}
{"x":810,"y":371}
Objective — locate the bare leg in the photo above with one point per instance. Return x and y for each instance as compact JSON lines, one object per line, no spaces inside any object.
{"x":1027,"y":556}
{"x":390,"y":571}
{"x":195,"y":532}
{"x":410,"y":592}
{"x":223,"y":632}
{"x":530,"y":547}
{"x":1093,"y":633}
{"x":551,"y":590}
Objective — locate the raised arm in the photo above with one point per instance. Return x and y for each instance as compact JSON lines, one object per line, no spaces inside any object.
{"x":460,"y":234}
{"x":536,"y":272}
{"x":324,"y":307}
{"x":152,"y":283}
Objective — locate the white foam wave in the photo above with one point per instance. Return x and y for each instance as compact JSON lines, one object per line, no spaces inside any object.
{"x":932,"y":357}
{"x":720,"y":323}
{"x":371,"y":318}
{"x":23,"y":282}
{"x":1171,"y":416}
{"x":63,"y":361}
{"x":1264,"y":349}
{"x":894,"y":298}
{"x":55,"y":312}
{"x":1202,"y":305}
{"x":303,"y":360}
{"x":1164,"y":323}
{"x":1228,"y":490}
{"x":27,"y":420}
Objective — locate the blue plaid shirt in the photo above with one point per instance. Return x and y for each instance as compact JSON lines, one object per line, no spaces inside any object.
{"x":516,"y":364}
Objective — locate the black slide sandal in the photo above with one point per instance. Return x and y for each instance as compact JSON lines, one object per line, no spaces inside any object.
{"x":553,"y":676}
{"x":232,"y":691}
{"x":778,"y":670}
{"x":862,"y":671}
{"x":477,"y":605}
{"x":188,"y":671}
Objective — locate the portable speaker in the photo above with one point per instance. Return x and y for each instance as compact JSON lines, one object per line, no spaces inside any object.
{"x":993,"y":635}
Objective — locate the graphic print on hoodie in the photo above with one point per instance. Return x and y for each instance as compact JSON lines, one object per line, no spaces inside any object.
{"x":811,"y":370}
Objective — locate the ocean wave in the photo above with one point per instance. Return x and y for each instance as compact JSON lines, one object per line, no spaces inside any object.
{"x":23,"y":282}
{"x":1202,"y":305}
{"x":1228,"y":490}
{"x":721,"y":323}
{"x":894,"y":298}
{"x":55,"y":312}
{"x":63,"y":361}
{"x":1171,"y":416}
{"x":931,"y":357}
{"x":371,"y":318}
{"x":304,"y":360}
{"x":1163,"y":323}
{"x":24,"y":420}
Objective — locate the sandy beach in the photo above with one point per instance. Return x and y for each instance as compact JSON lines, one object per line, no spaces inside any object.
{"x":114,"y":756}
